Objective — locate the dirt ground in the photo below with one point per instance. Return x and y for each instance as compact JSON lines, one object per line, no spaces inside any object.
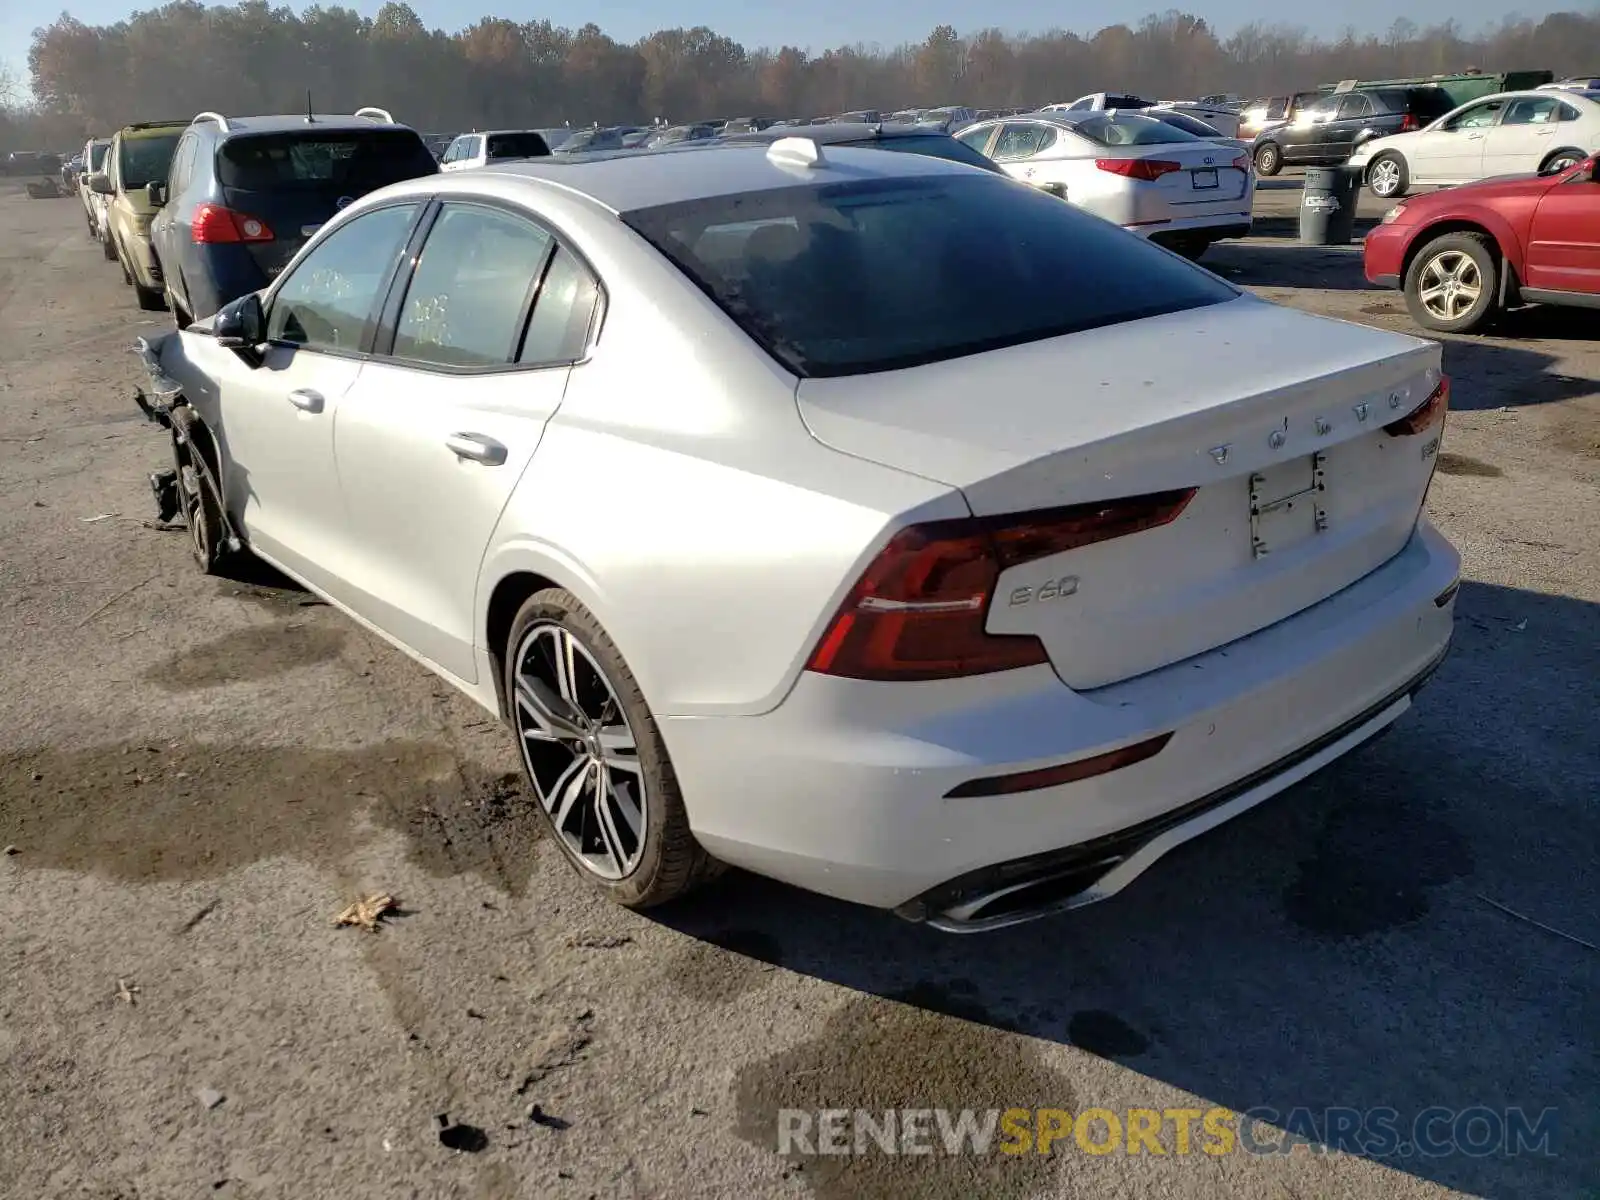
{"x":195,"y":776}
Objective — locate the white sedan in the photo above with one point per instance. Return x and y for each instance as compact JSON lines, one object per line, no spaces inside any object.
{"x":788,"y":524}
{"x":1512,"y":133}
{"x":1151,"y":177}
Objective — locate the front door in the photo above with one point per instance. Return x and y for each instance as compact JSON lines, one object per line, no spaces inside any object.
{"x":434,"y":437}
{"x":1564,"y":240}
{"x":276,"y":419}
{"x":1453,"y":150}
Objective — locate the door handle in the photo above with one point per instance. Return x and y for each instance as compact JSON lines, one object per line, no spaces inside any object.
{"x":306,"y":400}
{"x":476,"y":447}
{"x":1474,"y":137}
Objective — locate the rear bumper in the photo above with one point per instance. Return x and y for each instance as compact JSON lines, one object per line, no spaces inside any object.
{"x":1212,"y":227}
{"x":215,"y":275}
{"x":844,"y":788}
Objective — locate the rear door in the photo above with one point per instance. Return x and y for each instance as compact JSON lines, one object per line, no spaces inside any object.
{"x":1564,"y":239}
{"x":1526,"y":134}
{"x":292,"y":182}
{"x":441,"y":425}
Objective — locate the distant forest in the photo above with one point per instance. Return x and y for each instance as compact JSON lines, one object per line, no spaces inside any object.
{"x":176,"y":60}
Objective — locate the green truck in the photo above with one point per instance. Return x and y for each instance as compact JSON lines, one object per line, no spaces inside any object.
{"x":1467,"y":86}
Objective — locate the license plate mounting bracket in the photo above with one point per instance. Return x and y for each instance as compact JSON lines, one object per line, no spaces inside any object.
{"x":1261,"y":505}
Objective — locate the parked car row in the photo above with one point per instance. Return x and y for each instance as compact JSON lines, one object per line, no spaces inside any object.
{"x":199,"y":213}
{"x":965,"y":566}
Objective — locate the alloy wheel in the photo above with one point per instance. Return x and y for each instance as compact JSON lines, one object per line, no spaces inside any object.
{"x":1384,"y":179}
{"x":1449,"y":284}
{"x":580,"y":751}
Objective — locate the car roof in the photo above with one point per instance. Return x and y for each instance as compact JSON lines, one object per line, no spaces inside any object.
{"x":319,"y":122}
{"x":625,"y":180}
{"x":841,"y":132}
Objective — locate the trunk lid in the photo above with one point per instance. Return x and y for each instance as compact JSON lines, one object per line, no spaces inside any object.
{"x":1206,"y":172}
{"x":1249,"y":403}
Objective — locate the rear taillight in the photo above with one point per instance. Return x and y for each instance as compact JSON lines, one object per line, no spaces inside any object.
{"x":1409,"y":124}
{"x":1147,"y":169}
{"x":1432,"y":409}
{"x":214,"y":224}
{"x":919,"y":609}
{"x":1242,"y":163}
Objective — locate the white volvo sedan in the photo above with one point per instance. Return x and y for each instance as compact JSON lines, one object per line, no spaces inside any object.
{"x":865,"y":520}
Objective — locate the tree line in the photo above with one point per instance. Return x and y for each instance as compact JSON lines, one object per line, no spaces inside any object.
{"x":173,"y":61}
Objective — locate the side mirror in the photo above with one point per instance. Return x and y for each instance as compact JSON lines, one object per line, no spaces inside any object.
{"x":100,"y":184}
{"x":241,"y":324}
{"x":156,"y":193}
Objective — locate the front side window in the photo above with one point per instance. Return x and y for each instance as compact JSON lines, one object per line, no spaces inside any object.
{"x":1022,"y":140}
{"x":145,"y":160}
{"x":1479,"y":116}
{"x":328,"y":298}
{"x":97,"y":156}
{"x":847,"y":278}
{"x":977,"y":137}
{"x":465,"y":304}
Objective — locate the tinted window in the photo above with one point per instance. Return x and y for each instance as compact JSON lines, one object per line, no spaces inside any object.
{"x":146,"y":159}
{"x":853,"y":277}
{"x":1568,"y":113}
{"x":1353,"y":106}
{"x":1127,"y":129}
{"x":940,"y":146}
{"x":1189,"y":125}
{"x":558,"y":330}
{"x":517,"y":145}
{"x":325,"y":301}
{"x":465,"y":303}
{"x":348,"y":163}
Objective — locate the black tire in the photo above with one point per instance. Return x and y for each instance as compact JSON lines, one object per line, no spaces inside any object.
{"x":1192,"y":248}
{"x":1268,"y":159}
{"x":1395,"y":176}
{"x":108,"y":248}
{"x":150,"y":299}
{"x":201,"y":510}
{"x":1480,"y":249}
{"x":1561,"y":160}
{"x":670,"y":862}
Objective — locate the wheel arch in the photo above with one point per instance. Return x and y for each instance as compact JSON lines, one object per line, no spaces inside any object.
{"x":1431,"y":233}
{"x":1576,"y":151}
{"x":1366,"y":171}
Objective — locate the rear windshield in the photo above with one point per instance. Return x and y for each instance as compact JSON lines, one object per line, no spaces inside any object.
{"x":1128,"y":129}
{"x":848,"y":278}
{"x":935,"y":146}
{"x":517,"y":145}
{"x":349,"y":163}
{"x":145,"y":160}
{"x":97,"y":155}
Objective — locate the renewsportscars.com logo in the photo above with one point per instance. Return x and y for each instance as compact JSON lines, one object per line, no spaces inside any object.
{"x":1375,"y":1132}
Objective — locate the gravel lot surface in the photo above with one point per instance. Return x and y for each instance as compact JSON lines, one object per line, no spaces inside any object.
{"x":195,"y":776}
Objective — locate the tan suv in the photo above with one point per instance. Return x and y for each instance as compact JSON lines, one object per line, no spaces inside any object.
{"x":139,"y":156}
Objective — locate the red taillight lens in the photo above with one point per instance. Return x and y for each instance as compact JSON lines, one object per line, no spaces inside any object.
{"x":214,"y":224}
{"x":1147,"y":169}
{"x":1409,"y":124}
{"x":919,"y":609}
{"x":1242,"y":163}
{"x":1432,"y":409}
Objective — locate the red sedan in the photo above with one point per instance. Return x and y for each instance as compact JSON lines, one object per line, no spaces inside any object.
{"x":1464,"y":253}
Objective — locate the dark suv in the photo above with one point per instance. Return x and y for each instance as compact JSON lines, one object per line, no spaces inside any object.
{"x":244,"y":193}
{"x":1326,"y":132}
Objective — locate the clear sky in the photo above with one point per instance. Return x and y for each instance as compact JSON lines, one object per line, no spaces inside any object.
{"x":822,"y":23}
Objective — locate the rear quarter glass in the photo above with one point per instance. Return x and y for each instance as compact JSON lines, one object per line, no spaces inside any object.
{"x":849,"y":278}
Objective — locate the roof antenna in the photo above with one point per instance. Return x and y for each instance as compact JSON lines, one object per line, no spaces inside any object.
{"x":310,"y":120}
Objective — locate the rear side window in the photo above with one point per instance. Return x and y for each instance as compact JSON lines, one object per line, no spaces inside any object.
{"x":340,"y":163}
{"x":1127,"y":129}
{"x":465,"y":303}
{"x":517,"y":145}
{"x":848,"y":278}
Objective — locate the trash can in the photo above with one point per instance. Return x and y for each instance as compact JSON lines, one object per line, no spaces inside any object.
{"x":1328,"y":206}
